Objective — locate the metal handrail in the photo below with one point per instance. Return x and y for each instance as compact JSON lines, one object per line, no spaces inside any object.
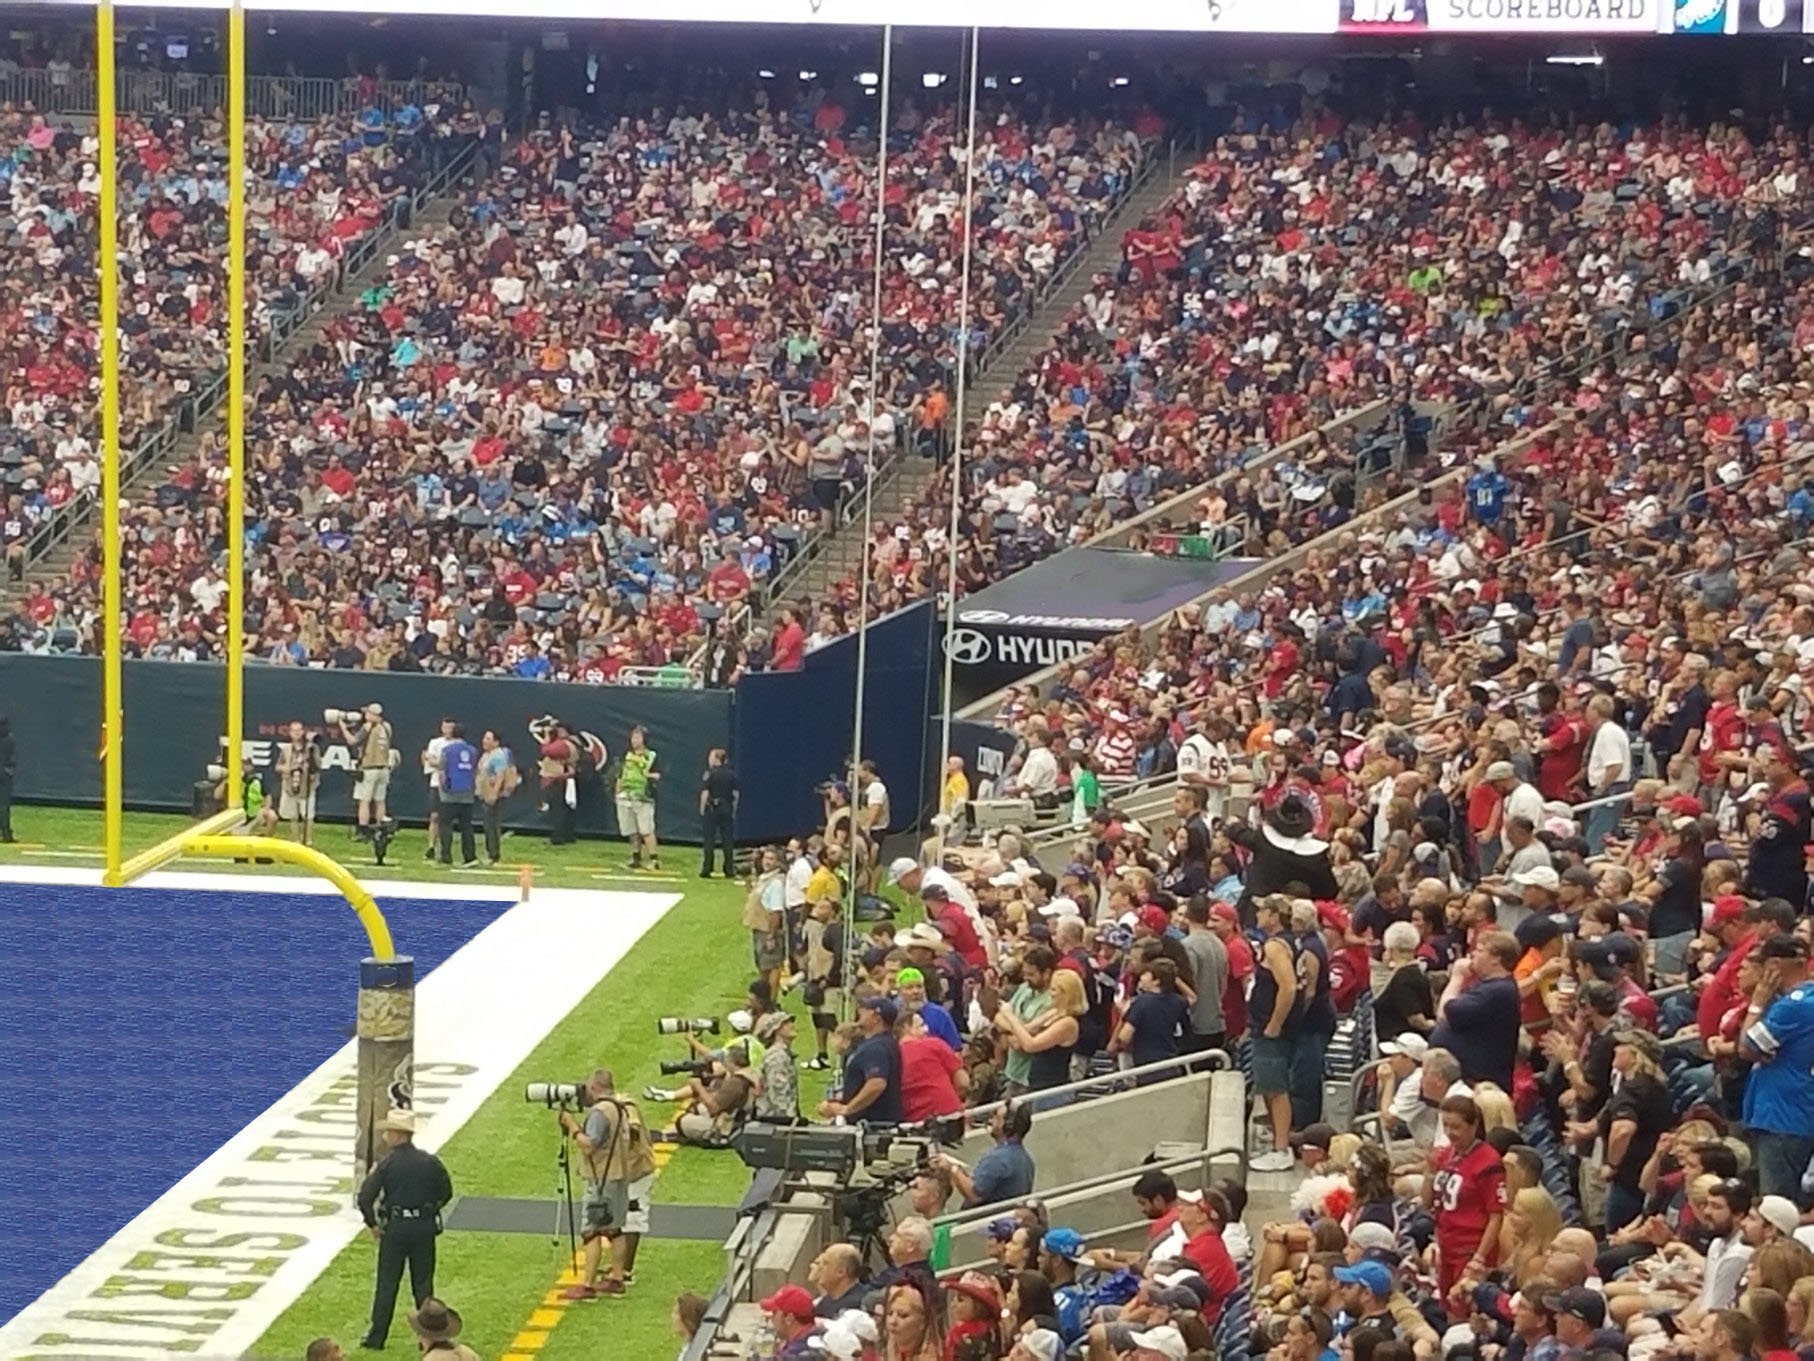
{"x":1207,"y":1060}
{"x":1561,"y":370}
{"x":282,"y":327}
{"x":812,"y":544}
{"x":142,"y":92}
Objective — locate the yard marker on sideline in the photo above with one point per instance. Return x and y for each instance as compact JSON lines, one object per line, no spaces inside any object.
{"x":525,"y":881}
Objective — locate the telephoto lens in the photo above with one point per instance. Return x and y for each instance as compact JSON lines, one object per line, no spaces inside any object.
{"x":683,"y":1025}
{"x":553,"y":1094}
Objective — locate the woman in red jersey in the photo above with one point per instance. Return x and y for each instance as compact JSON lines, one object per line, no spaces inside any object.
{"x":1466,"y":1195}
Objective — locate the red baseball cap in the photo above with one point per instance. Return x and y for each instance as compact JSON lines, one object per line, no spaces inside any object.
{"x":1683,"y":806}
{"x":1155,"y":918}
{"x":1728,"y":908}
{"x":1332,"y":914}
{"x":789,"y":1299}
{"x":1224,"y":912}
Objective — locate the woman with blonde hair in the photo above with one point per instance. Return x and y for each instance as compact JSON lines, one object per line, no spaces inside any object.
{"x":1496,"y":1109}
{"x":1531,"y":1224}
{"x":907,"y":1326}
{"x":1050,"y":1038}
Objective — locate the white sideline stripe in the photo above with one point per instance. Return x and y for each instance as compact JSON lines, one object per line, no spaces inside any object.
{"x":476,"y":1015}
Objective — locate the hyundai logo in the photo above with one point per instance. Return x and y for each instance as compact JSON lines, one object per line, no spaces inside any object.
{"x":967,"y":647}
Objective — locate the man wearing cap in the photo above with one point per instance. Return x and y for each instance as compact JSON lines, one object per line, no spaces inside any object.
{"x":1060,"y":1253}
{"x":1738,"y":929}
{"x":912,"y":877}
{"x":778,"y":1081}
{"x":1521,"y":799}
{"x":910,"y":983}
{"x":1401,"y":1084}
{"x":437,"y":1329}
{"x":790,"y":1315}
{"x":953,"y":921}
{"x":372,"y":741}
{"x":1367,"y":1296}
{"x":1209,"y":978}
{"x":401,"y":1201}
{"x":1772,"y":1219}
{"x":1037,"y":1344}
{"x":1579,"y":1314}
{"x":870,"y":1086}
{"x":618,"y":1164}
{"x":1778,"y":1034}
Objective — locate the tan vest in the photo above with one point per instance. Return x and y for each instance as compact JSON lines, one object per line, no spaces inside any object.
{"x":625,"y":1153}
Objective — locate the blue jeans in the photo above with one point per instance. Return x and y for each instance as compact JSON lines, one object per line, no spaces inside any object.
{"x":1781,"y":1160}
{"x":1305,"y":1080}
{"x":1603,"y":821}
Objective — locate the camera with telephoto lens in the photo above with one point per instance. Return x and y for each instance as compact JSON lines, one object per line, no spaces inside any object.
{"x":698,"y":1068}
{"x":683,"y":1025}
{"x":556,"y":1096}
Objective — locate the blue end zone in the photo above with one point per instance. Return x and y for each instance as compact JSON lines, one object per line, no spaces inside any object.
{"x":141,"y":1028}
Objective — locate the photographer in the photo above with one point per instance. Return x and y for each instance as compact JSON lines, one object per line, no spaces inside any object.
{"x":371,"y":744}
{"x":719,"y":1103}
{"x":298,"y":779}
{"x":778,"y":1089}
{"x":619,"y":1165}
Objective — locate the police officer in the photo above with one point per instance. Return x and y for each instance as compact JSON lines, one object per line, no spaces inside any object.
{"x":413,"y":1187}
{"x":717,"y":808}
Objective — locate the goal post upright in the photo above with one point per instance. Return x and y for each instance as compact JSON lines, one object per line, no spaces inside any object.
{"x":107,"y":334}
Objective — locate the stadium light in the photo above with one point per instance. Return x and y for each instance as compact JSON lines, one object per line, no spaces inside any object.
{"x":992,"y":82}
{"x":1118,"y":83}
{"x":933,"y":79}
{"x":868,"y":79}
{"x":1016,"y":80}
{"x":809,"y":75}
{"x":766,"y":74}
{"x":1593,"y":58}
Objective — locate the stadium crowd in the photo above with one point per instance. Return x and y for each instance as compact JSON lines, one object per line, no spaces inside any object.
{"x":1307,"y":272}
{"x":588,"y":418}
{"x":315,"y":189}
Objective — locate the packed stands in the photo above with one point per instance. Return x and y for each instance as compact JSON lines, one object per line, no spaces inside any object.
{"x":319,"y":190}
{"x":1300,"y":275}
{"x":591,"y":415}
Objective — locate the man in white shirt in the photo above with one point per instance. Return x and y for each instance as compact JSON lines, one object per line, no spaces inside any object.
{"x":1608,"y":769}
{"x":1521,"y":799}
{"x":1038,"y":768}
{"x":1203,"y":764}
{"x":431,"y":767}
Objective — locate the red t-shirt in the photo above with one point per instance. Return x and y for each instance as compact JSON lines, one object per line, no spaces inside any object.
{"x":927,"y":1067}
{"x":1725,"y":731}
{"x":1234,"y":996}
{"x":1558,"y":767}
{"x":1723,"y":991}
{"x":1209,"y":1254}
{"x":1470,"y":1190}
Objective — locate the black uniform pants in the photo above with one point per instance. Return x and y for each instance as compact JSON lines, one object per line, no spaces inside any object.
{"x":457,"y":816}
{"x":404,"y":1240}
{"x":6,"y":808}
{"x":560,"y":817}
{"x":717,"y":822}
{"x":491,"y":816}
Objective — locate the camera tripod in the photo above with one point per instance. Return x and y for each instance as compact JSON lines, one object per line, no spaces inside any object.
{"x":564,"y":1207}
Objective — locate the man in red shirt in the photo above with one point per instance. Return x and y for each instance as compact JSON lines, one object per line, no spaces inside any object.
{"x":1738,"y":927}
{"x":1226,"y":923}
{"x":728,"y":583}
{"x":1201,"y":1215}
{"x":1723,"y":737}
{"x":1562,"y":745}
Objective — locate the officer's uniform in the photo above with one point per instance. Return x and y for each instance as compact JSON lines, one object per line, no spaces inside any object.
{"x":404,"y":1194}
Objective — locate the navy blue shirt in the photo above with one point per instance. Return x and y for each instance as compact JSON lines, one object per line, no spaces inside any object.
{"x":1158,"y":1019}
{"x":877,"y":1056}
{"x":459,"y":764}
{"x":1480,"y":1028}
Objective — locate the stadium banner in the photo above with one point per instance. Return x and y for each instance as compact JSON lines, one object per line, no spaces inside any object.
{"x":175,"y":712}
{"x":1157,"y":16}
{"x":1506,"y":16}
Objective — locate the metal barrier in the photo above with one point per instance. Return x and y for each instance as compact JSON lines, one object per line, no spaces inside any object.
{"x":300,"y":97}
{"x":210,"y":389}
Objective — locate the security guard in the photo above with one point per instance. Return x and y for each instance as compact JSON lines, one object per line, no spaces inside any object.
{"x":414,"y":1186}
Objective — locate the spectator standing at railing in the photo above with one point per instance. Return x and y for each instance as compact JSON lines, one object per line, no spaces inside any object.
{"x":1608,"y":770}
{"x":1778,"y":1034}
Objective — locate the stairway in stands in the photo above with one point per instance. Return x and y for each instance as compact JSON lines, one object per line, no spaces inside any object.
{"x":902,"y":482}
{"x":52,"y":566}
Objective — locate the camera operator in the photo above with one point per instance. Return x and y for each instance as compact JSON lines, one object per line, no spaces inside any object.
{"x":299,"y":778}
{"x":719,"y":1102}
{"x":871,"y":1086}
{"x":1005,"y":1172}
{"x":778,"y":1087}
{"x":371,"y":742}
{"x":619,"y":1165}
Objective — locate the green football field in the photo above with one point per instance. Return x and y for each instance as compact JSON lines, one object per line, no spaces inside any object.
{"x":694,"y":962}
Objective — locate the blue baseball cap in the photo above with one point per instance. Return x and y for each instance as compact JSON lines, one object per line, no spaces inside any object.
{"x":1001,"y":1230}
{"x":883,"y":1006}
{"x":1065,"y":1243}
{"x":1370,"y":1276}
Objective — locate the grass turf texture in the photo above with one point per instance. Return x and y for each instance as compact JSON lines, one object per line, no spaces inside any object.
{"x":694,"y":962}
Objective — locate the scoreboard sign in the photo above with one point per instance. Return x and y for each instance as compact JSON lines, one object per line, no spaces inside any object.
{"x":1506,"y":16}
